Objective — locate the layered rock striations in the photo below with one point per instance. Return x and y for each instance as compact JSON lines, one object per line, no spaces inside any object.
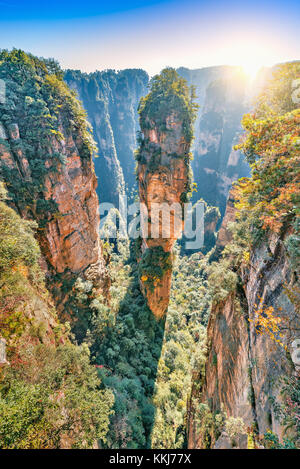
{"x":111,"y":101}
{"x":41,"y":369}
{"x":166,"y":116}
{"x":249,"y":392}
{"x":216,"y":164}
{"x":244,"y":368}
{"x":46,"y":164}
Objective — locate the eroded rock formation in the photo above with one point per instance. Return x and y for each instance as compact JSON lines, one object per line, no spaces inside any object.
{"x":111,"y":101}
{"x":46,"y":164}
{"x":216,"y":164}
{"x":243,"y":367}
{"x":163,"y":174}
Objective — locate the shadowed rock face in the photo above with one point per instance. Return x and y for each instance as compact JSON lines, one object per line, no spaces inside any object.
{"x":165,"y":183}
{"x":69,"y":239}
{"x":216,"y":164}
{"x":163,"y":176}
{"x":243,"y":367}
{"x":50,"y":179}
{"x":224,"y":235}
{"x":224,"y":94}
{"x":111,"y":101}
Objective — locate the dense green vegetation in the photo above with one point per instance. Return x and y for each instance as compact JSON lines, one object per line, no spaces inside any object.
{"x":148,"y":364}
{"x":269,"y":200}
{"x":267,"y":204}
{"x":153,"y":265}
{"x":50,"y":395}
{"x":126,"y":349}
{"x":41,"y":106}
{"x":183,"y":350}
{"x":135,"y":393}
{"x":169,"y":93}
{"x":52,"y":398}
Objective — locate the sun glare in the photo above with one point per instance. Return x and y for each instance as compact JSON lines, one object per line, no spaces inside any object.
{"x":250,"y":56}
{"x":251,"y":69}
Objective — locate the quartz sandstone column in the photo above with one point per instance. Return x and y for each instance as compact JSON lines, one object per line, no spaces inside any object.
{"x":166,"y":116}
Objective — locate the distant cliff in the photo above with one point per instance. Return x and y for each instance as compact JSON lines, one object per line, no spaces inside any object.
{"x":223,"y":101}
{"x":111,"y":101}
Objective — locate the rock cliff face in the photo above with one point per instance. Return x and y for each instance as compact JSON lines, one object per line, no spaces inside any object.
{"x":46,"y":164}
{"x":164,"y":185}
{"x":163,"y":176}
{"x":243,"y":368}
{"x":41,"y":369}
{"x":216,"y":164}
{"x":111,"y":101}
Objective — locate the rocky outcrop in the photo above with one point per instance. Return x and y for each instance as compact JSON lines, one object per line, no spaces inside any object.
{"x":46,"y":165}
{"x":222,"y":96}
{"x":243,"y":367}
{"x":69,"y":238}
{"x":163,"y":176}
{"x":163,"y":186}
{"x":111,"y":100}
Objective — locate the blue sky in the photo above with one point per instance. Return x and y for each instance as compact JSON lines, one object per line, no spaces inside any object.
{"x":151,"y":34}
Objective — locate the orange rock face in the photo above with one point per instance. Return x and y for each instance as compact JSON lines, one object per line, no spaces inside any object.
{"x":69,"y":239}
{"x":163,"y":180}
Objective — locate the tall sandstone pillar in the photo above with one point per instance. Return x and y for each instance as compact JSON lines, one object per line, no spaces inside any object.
{"x":164,"y":177}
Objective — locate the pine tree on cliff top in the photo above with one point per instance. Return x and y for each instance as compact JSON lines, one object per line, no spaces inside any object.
{"x":169,"y":93}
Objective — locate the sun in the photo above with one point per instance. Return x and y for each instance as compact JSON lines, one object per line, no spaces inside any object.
{"x":251,"y":69}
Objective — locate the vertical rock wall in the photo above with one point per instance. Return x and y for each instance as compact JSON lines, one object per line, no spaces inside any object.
{"x":243,"y":368}
{"x":46,"y":165}
{"x":111,"y":101}
{"x":164,"y":179}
